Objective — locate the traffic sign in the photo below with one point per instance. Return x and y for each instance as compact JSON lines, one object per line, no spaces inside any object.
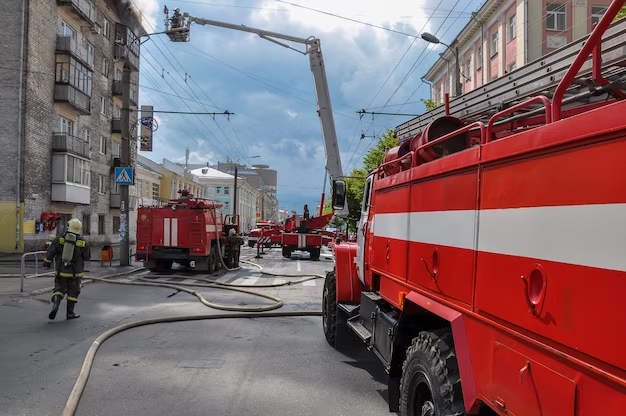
{"x":124,"y":176}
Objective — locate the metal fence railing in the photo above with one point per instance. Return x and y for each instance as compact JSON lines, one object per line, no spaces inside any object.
{"x":37,"y":274}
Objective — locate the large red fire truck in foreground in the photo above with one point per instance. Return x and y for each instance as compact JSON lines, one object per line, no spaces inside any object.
{"x":490,"y":268}
{"x":185,"y":231}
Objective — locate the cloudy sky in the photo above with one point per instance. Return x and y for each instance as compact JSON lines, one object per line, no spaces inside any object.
{"x":270,"y":90}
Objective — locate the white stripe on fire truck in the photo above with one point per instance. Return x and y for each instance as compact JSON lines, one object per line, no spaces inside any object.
{"x":210,"y":228}
{"x":584,"y":235}
{"x":166,"y":232}
{"x":174,"y":232}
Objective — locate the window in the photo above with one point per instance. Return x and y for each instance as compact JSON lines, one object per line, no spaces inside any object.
{"x":100,"y":224}
{"x":596,"y":14}
{"x":116,"y":225}
{"x":479,"y":58}
{"x":90,"y":53}
{"x":70,"y":71}
{"x":226,"y":190}
{"x":116,"y":149}
{"x":101,"y":184}
{"x":87,"y":135}
{"x":117,"y":112}
{"x":105,"y":67}
{"x":511,"y":28}
{"x":67,"y":30}
{"x":103,"y":105}
{"x":86,"y":224}
{"x":512,"y":67}
{"x":555,"y":17}
{"x":226,"y":206}
{"x":106,"y":29}
{"x":119,"y":76}
{"x":218,"y":190}
{"x":78,"y":171}
{"x":494,"y":44}
{"x":103,"y":145}
{"x":155,"y":191}
{"x":468,"y":69}
{"x":66,"y":126}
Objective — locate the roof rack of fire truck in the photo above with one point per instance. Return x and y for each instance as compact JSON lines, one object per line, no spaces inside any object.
{"x":601,"y":78}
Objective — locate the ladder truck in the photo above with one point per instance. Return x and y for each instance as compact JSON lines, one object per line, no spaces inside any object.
{"x":178,"y":30}
{"x":489,"y":271}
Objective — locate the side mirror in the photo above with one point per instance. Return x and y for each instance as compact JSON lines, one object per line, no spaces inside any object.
{"x":339,"y":194}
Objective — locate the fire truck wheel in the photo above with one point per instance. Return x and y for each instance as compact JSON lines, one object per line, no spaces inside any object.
{"x":286,"y":253}
{"x":329,"y":309}
{"x":315,"y":254}
{"x":163,"y":265}
{"x":213,"y":260}
{"x":431,"y":384}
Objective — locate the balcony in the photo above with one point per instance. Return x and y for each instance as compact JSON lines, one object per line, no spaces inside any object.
{"x":63,"y":142}
{"x":121,"y":52}
{"x":116,"y":125}
{"x":118,"y":90}
{"x":116,"y":201}
{"x":83,"y":8}
{"x":65,"y":44}
{"x":65,"y":93}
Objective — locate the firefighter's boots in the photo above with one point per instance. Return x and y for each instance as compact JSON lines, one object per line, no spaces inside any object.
{"x":70,"y":310}
{"x":56,"y":301}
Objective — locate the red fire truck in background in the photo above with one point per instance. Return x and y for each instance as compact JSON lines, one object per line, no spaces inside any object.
{"x":188,"y":231}
{"x":268,"y":231}
{"x":489,"y":271}
{"x":305,"y":236}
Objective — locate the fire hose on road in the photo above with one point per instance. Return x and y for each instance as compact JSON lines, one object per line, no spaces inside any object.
{"x":243,"y":312}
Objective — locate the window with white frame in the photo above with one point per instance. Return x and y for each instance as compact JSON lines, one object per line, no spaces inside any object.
{"x":117,"y":112}
{"x":103,"y":145}
{"x":78,"y":171}
{"x":105,"y":67}
{"x":106,"y":29}
{"x":119,"y":76}
{"x":90,"y":53}
{"x":468,"y":69}
{"x":512,"y":29}
{"x":66,"y":126}
{"x":218,"y":190}
{"x":596,"y":14}
{"x":155,"y":191}
{"x":512,"y":67}
{"x":101,"y":184}
{"x":555,"y":17}
{"x":479,"y":58}
{"x":494,"y":44}
{"x":226,"y":190}
{"x":116,"y":149}
{"x":67,"y":30}
{"x":103,"y":105}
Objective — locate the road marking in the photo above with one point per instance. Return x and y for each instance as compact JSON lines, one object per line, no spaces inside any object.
{"x":247,"y":280}
{"x":279,"y":281}
{"x":309,"y":283}
{"x":298,"y":265}
{"x":224,"y":279}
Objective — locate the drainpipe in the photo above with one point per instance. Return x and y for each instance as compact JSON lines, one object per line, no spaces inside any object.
{"x":430,"y":84}
{"x":19,"y":131}
{"x":526,"y":32}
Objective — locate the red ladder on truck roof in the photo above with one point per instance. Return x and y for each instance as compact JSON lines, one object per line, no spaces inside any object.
{"x":601,"y":78}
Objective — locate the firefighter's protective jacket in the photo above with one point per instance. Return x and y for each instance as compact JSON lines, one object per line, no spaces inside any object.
{"x":234,"y":241}
{"x":75,"y":267}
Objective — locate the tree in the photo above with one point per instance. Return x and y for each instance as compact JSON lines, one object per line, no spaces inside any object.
{"x":355,"y":185}
{"x":429,"y":104}
{"x":621,"y":13}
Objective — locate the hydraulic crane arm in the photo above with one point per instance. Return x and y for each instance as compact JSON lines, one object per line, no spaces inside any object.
{"x":179,"y":32}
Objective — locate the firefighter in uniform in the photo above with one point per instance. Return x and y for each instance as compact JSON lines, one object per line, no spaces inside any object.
{"x":234,"y":244}
{"x":69,"y":251}
{"x":306,"y":214}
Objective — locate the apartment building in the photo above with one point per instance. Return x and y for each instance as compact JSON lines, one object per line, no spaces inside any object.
{"x":60,"y":106}
{"x":176,"y":178}
{"x":220,"y":188}
{"x":506,"y":34}
{"x":148,"y":176}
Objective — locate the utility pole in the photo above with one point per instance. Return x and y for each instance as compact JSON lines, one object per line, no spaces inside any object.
{"x":125,"y":161}
{"x":235,"y":197}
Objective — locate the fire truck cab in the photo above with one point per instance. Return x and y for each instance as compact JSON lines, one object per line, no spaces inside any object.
{"x":489,"y":271}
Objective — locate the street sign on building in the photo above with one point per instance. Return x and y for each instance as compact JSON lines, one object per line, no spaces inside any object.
{"x":124,"y":176}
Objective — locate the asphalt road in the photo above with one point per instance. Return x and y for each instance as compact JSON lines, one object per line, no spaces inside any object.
{"x":260,"y":366}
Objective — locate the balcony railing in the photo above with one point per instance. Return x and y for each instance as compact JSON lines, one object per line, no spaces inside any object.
{"x":116,"y":201}
{"x":118,"y":89}
{"x":116,"y":125}
{"x":121,"y":52}
{"x":69,"y":45}
{"x":68,"y":94}
{"x":64,"y":142}
{"x":84,"y":8}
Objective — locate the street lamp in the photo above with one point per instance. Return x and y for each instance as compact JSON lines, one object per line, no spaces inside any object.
{"x":434,"y":39}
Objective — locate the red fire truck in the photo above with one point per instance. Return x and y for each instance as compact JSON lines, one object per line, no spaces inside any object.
{"x":268,"y":231}
{"x":489,"y":271}
{"x":305,"y":235}
{"x":185,"y":231}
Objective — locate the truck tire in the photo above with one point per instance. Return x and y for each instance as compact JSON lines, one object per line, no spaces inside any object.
{"x":286,"y":253}
{"x":329,"y":309}
{"x":431,"y":385}
{"x":163,"y":265}
{"x":213,"y":260}
{"x":315,"y":254}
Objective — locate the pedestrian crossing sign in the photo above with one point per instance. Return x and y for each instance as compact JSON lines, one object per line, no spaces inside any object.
{"x":124,"y":176}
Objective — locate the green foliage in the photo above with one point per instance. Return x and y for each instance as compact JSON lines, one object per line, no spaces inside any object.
{"x":621,"y":13}
{"x":429,"y":104}
{"x":355,"y":186}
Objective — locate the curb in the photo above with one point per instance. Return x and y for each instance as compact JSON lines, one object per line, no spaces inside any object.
{"x":87,"y":280}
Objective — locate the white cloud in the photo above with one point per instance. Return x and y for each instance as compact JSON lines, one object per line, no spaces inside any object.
{"x":291,"y":114}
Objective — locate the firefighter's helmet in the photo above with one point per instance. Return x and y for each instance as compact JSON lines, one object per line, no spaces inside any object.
{"x":75,"y":226}
{"x":232,"y":231}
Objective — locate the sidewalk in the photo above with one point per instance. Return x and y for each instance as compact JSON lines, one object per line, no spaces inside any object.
{"x":10,"y":285}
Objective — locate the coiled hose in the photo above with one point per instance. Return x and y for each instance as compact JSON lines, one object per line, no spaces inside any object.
{"x":244,"y":312}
